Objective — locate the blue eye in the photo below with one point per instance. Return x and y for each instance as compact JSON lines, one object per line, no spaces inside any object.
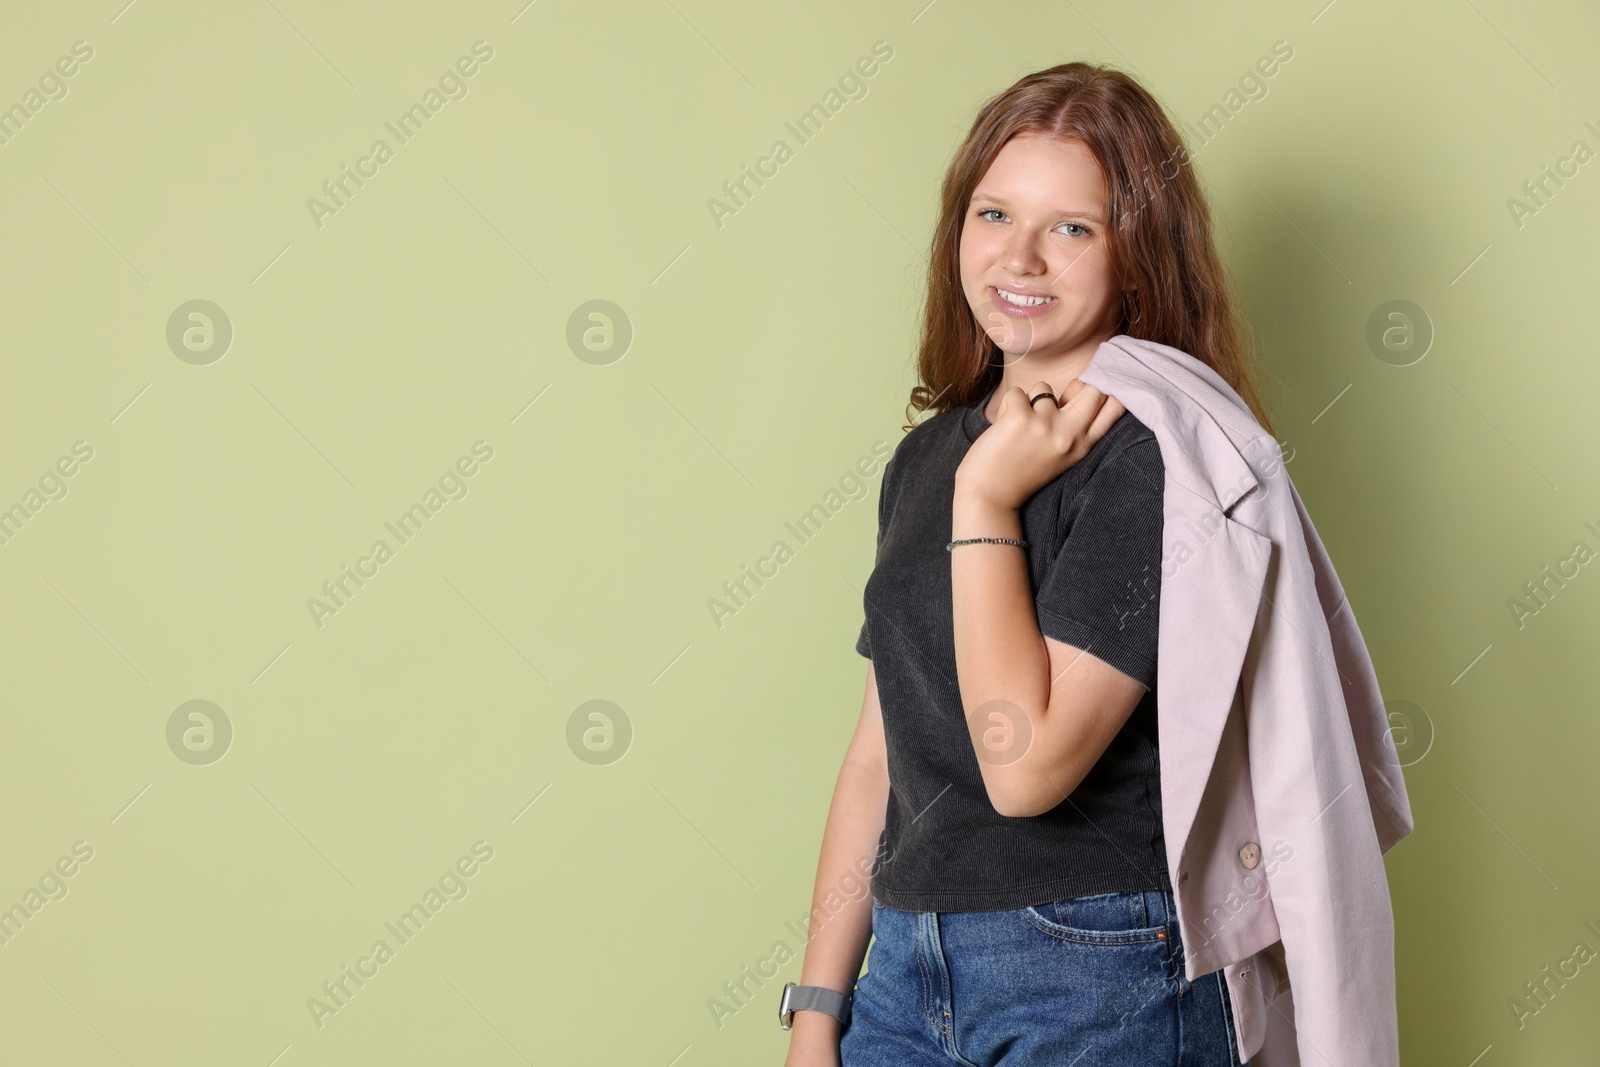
{"x":984,"y":213}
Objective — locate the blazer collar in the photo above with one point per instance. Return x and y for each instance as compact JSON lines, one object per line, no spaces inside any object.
{"x":1204,"y":426}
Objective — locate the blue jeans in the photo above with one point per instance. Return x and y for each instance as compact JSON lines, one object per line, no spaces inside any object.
{"x":1094,"y":981}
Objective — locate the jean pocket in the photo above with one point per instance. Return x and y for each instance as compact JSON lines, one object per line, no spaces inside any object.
{"x":1101,"y":919}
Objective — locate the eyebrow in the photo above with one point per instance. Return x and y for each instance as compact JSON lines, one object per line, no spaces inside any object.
{"x":1091,"y":216}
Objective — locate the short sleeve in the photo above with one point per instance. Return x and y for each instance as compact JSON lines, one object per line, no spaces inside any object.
{"x":864,"y":640}
{"x":1102,"y":591}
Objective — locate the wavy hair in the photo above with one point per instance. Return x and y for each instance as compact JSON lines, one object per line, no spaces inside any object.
{"x":1158,"y":235}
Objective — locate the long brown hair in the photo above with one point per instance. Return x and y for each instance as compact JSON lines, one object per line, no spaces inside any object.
{"x":1158,"y":237}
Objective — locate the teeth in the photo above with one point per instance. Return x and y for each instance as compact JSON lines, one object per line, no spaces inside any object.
{"x":1022,"y":301}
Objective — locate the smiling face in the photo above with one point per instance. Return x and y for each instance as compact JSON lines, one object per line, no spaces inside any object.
{"x":1035,"y":231}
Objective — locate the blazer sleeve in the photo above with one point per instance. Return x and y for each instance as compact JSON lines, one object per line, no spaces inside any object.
{"x":1369,"y":720}
{"x":1331,"y":896}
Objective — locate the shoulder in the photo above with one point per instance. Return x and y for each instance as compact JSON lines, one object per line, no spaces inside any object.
{"x":945,"y":424}
{"x":914,"y":456}
{"x":1122,"y":475}
{"x":928,"y":436}
{"x":1128,"y":445}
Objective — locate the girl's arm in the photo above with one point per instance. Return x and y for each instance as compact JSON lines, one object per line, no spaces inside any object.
{"x":837,"y":943}
{"x":1041,"y":712}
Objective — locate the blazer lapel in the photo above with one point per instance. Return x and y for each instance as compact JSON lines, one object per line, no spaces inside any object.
{"x":1209,"y":606}
{"x":1214,"y":569}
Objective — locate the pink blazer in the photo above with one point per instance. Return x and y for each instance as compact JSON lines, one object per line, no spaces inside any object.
{"x":1281,"y":790}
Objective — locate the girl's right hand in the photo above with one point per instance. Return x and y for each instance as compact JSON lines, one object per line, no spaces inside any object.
{"x":1030,"y":445}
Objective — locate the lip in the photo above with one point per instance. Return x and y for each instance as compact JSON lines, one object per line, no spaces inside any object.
{"x":1013,"y":310}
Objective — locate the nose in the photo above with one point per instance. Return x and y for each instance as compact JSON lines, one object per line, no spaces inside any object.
{"x":1022,"y":254}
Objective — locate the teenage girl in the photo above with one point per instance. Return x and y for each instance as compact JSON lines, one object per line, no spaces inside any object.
{"x":1002,"y":787}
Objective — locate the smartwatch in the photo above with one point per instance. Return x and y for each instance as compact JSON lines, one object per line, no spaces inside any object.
{"x":812,"y":998}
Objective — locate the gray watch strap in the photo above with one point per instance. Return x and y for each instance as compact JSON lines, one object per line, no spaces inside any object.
{"x":814,"y":998}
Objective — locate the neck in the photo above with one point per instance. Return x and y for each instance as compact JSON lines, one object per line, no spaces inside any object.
{"x":1057,"y":370}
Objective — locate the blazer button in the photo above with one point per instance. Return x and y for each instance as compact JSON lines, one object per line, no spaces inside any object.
{"x":1250,"y":855}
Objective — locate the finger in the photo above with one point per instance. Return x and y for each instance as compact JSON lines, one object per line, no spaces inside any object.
{"x":1080,"y":392}
{"x":1105,"y":418}
{"x":1015,"y":398}
{"x":1042,"y":387}
{"x":1078,"y":412}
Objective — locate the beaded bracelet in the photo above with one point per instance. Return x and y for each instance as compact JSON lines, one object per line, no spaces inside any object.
{"x":985,"y":541}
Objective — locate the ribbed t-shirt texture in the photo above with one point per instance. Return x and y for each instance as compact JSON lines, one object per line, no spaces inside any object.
{"x":1094,"y":564}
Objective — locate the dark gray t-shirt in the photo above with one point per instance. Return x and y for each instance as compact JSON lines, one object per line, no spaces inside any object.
{"x":1094,"y":563}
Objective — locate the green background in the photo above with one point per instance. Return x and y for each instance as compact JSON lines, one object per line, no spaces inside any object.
{"x":767,"y":356}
